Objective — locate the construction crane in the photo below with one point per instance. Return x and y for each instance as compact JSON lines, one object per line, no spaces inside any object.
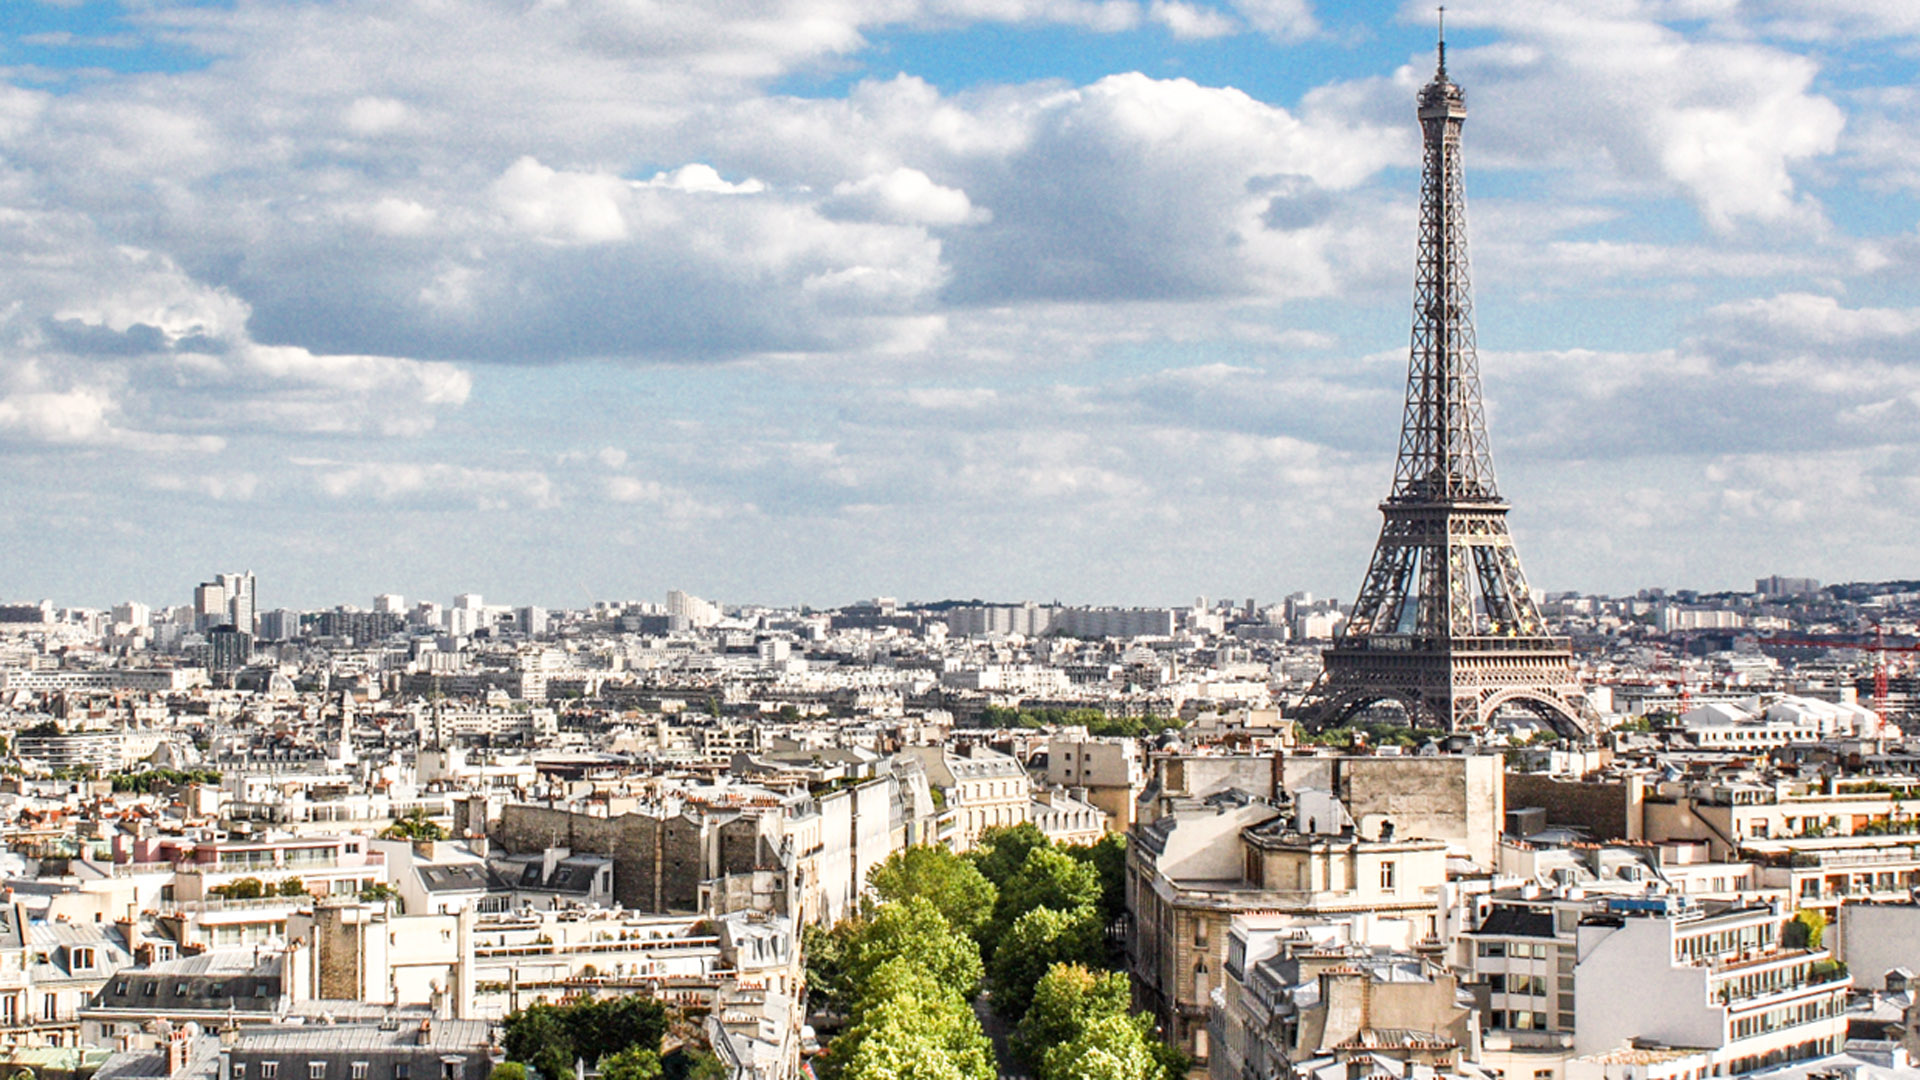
{"x":1878,"y":647}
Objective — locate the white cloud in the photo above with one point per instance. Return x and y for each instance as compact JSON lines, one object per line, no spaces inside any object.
{"x":553,"y":205}
{"x":1805,"y":318}
{"x":1191,"y":21}
{"x":902,"y":197}
{"x":434,"y":483}
{"x":220,"y":487}
{"x":115,"y":346}
{"x":1610,"y":93}
{"x":1282,"y":20}
{"x":699,"y":177}
{"x":393,"y":216}
{"x":377,"y":116}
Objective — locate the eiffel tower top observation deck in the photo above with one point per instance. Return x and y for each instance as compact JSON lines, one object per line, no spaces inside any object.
{"x":1444,"y":623}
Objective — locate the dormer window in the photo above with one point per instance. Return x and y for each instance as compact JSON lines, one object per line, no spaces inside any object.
{"x":82,"y":958}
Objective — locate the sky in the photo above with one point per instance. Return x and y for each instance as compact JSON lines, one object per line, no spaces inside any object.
{"x":805,"y":301}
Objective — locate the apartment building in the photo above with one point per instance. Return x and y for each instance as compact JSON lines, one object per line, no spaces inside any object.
{"x":1673,"y":971}
{"x":981,"y":789}
{"x":1111,"y":770}
{"x":1194,"y":868}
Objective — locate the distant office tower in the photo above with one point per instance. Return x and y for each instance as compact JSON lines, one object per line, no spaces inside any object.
{"x":688,"y":612}
{"x":1445,"y":623}
{"x":390,"y":604}
{"x":1786,"y":586}
{"x":530,"y":620}
{"x":279,"y":624}
{"x":1114,"y":622}
{"x":229,"y":650}
{"x":468,"y":601}
{"x":210,"y":606}
{"x":463,"y":621}
{"x":132,"y":613}
{"x":240,"y":600}
{"x":1029,"y":619}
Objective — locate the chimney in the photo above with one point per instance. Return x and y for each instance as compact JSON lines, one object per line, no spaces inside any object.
{"x":179,"y":1049}
{"x":129,"y":926}
{"x":463,"y":974}
{"x":425,"y":1037}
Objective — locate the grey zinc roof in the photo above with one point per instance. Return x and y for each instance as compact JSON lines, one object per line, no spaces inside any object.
{"x":445,"y":1036}
{"x":222,"y":980}
{"x":454,"y":877}
{"x":203,"y":1062}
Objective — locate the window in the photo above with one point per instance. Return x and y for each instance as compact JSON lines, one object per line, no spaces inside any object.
{"x":50,"y":1007}
{"x":316,"y":1070}
{"x":149,"y":988}
{"x":1493,"y":948}
{"x":82,"y":958}
{"x":1387,"y":873}
{"x":449,"y":1071}
{"x":268,"y":1069}
{"x":359,"y":1070}
{"x":239,"y":1071}
{"x":402,"y":1071}
{"x":9,"y":1008}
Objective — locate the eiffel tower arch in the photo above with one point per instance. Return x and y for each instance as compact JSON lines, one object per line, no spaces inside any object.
{"x":1445,"y":624}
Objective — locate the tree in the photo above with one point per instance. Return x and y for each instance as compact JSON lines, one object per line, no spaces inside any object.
{"x":1004,"y":847}
{"x":414,"y":825}
{"x":952,"y":884}
{"x":915,"y":1030}
{"x":1805,"y":930}
{"x":553,"y":1037}
{"x":829,"y":987}
{"x":246,"y":888}
{"x":915,"y":929}
{"x":1109,"y":1048}
{"x":379,"y":893}
{"x":896,"y":979}
{"x":536,"y":1036}
{"x":293,"y":887}
{"x":1108,"y":859}
{"x":508,"y":1070}
{"x":691,"y":1063}
{"x":1047,"y":878}
{"x":1036,"y":942}
{"x":1064,"y":1001}
{"x":633,"y":1063}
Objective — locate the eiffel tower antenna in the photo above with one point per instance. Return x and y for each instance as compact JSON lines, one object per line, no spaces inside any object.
{"x":1445,"y":624}
{"x":1442,"y":34}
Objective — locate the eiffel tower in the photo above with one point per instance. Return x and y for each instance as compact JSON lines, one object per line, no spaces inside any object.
{"x":1444,"y":624}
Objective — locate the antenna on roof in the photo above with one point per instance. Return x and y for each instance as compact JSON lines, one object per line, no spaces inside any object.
{"x":1442,"y":35}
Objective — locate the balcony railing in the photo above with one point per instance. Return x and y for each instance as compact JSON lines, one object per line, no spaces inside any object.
{"x":217,"y":905}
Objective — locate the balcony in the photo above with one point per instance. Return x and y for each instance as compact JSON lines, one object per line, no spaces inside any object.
{"x":574,"y":948}
{"x":218,"y":906}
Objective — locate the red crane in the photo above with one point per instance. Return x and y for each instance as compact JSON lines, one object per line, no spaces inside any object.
{"x":1878,"y":647}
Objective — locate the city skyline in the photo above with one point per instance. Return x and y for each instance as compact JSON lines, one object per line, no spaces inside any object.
{"x":1098,"y":301}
